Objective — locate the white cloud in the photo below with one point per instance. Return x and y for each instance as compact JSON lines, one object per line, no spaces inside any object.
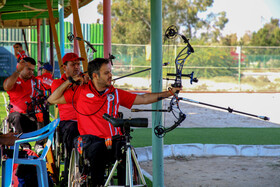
{"x":243,"y":15}
{"x":88,"y":13}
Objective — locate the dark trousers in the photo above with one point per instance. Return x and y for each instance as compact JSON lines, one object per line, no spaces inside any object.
{"x":68,"y":131}
{"x":24,"y":123}
{"x":96,"y":152}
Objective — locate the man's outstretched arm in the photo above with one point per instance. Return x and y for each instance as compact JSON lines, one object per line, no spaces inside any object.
{"x":153,"y":97}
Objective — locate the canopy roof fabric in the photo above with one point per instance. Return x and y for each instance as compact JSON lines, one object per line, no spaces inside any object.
{"x":24,"y":13}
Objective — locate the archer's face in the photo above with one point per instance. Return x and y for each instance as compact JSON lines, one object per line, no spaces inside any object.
{"x":28,"y":71}
{"x":72,"y":68}
{"x":104,"y":79}
{"x":18,"y":48}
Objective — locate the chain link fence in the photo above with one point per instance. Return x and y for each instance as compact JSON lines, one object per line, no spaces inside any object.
{"x":218,"y":68}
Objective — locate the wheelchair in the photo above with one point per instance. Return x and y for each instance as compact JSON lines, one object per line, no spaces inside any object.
{"x":60,"y":153}
{"x":40,"y":162}
{"x":38,"y":108}
{"x":79,"y":168}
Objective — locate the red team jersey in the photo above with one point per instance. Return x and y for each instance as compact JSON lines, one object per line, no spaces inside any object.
{"x":45,"y":79}
{"x":91,"y":106}
{"x":66,"y":111}
{"x":21,"y":55}
{"x":20,"y":94}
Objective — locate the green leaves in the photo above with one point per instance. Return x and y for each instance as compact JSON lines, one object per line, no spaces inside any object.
{"x":131,"y":20}
{"x":269,"y":35}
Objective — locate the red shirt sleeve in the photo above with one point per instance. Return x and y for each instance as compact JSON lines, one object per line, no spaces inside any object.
{"x":55,"y":84}
{"x":68,"y":94}
{"x":126,"y":98}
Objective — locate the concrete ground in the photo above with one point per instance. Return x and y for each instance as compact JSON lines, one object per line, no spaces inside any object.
{"x":221,"y":171}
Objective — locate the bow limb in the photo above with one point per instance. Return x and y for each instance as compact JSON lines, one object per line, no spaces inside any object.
{"x":180,"y":60}
{"x":160,"y":131}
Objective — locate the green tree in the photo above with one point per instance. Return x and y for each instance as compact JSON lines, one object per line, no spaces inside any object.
{"x":246,"y":39}
{"x":269,"y":35}
{"x":131,"y":19}
{"x":212,"y":26}
{"x":229,"y":40}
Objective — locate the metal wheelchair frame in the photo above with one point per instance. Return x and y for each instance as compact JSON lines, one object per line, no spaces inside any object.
{"x":79,"y":166}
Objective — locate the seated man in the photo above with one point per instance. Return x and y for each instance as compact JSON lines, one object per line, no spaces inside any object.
{"x":94,"y":99}
{"x":20,"y":88}
{"x":68,"y":120}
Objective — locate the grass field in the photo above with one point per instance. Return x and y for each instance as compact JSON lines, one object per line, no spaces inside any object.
{"x":237,"y":136}
{"x":3,"y":113}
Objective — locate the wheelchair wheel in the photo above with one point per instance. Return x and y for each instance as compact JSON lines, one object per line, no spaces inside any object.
{"x":57,"y":148}
{"x":74,"y":174}
{"x":78,"y":176}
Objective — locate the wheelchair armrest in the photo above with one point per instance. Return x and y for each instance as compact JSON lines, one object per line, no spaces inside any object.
{"x":35,"y":133}
{"x":49,"y":133}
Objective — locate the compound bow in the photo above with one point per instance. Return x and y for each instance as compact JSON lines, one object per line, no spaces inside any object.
{"x":171,"y":33}
{"x":160,"y":131}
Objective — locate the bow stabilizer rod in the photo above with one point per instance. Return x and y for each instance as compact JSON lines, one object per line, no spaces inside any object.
{"x":230,"y":110}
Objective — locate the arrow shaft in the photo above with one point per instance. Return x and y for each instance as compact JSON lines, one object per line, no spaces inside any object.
{"x":230,"y":110}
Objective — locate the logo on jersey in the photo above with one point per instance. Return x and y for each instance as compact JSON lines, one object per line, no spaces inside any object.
{"x":18,"y":82}
{"x":90,"y":95}
{"x":110,"y":97}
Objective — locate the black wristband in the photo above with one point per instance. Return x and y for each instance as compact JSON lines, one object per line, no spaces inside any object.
{"x":71,"y":80}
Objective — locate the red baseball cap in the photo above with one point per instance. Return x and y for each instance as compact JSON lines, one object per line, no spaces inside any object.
{"x":71,"y":57}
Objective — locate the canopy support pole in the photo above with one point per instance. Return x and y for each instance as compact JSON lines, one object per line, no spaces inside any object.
{"x":52,"y":23}
{"x":77,"y":25}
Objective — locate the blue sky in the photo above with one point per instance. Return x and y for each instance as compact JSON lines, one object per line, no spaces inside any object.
{"x":243,"y":15}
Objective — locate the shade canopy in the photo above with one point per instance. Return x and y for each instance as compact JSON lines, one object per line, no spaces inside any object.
{"x":24,"y":13}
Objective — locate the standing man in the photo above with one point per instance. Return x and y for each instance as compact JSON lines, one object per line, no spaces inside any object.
{"x":19,"y":52}
{"x":91,"y":101}
{"x":20,"y":88}
{"x":68,"y":119}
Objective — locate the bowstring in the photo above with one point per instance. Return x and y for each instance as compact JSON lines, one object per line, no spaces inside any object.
{"x":163,"y":101}
{"x":170,"y":60}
